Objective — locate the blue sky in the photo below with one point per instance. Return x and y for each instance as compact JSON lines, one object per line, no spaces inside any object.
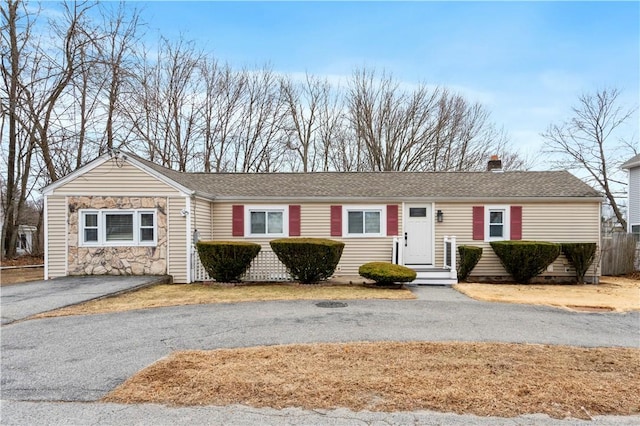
{"x":527,"y":62}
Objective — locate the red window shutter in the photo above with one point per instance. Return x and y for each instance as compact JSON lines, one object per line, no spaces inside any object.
{"x":478,"y":222}
{"x":238,"y":221}
{"x":294,"y":221}
{"x":336,"y":221}
{"x":392,"y":219}
{"x":516,"y":222}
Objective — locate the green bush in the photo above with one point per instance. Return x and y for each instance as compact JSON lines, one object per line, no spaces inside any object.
{"x":525,"y":259}
{"x":581,"y":256}
{"x":469,"y":257}
{"x":384,"y":273}
{"x":308,"y":260}
{"x":226,"y":261}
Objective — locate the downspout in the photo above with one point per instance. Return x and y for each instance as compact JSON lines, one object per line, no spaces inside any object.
{"x":188,"y":238}
{"x":46,"y":238}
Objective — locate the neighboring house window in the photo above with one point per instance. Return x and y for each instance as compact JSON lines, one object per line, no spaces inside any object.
{"x":266,"y":221}
{"x":635,"y":231}
{"x":364,"y":221}
{"x":118,"y":228}
{"x":497,"y":222}
{"x":21,"y":243}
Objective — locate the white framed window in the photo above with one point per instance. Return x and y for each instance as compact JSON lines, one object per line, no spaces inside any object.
{"x":106,"y":228}
{"x":635,"y":231}
{"x":496,"y":223}
{"x":266,"y":221}
{"x":364,"y":221}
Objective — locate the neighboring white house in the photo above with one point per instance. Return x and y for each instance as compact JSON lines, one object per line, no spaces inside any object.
{"x":24,"y":241}
{"x":633,"y":202}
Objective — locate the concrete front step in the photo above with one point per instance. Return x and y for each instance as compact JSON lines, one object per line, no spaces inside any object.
{"x":435,"y":281}
{"x":433,"y":276}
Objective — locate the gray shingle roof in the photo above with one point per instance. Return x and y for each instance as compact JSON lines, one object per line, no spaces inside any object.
{"x":387,"y":185}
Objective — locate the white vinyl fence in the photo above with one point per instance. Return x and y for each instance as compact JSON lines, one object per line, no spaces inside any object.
{"x":265,"y":267}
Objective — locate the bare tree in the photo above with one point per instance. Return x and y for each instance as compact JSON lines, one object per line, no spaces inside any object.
{"x":302,"y":102}
{"x":164,"y":104}
{"x":418,"y":128}
{"x":258,"y":145}
{"x":115,"y":55}
{"x":11,"y":69}
{"x":392,"y":125}
{"x":51,"y":75}
{"x":586,"y":142}
{"x":219,"y":118}
{"x":333,"y":133}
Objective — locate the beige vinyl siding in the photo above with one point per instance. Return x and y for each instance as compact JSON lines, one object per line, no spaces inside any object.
{"x":315,"y":221}
{"x":111,"y":180}
{"x":57,"y":236}
{"x":201,"y":218}
{"x":177,"y":261}
{"x":555,"y":222}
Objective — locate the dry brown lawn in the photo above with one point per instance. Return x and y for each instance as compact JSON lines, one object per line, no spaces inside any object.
{"x":21,"y":275}
{"x":486,"y":379}
{"x":618,"y":294}
{"x":193,"y":294}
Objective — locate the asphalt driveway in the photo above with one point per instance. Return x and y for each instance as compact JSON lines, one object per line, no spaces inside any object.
{"x":82,"y":358}
{"x":20,"y":301}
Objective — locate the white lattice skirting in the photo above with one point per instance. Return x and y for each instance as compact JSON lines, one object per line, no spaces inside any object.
{"x":265,"y":267}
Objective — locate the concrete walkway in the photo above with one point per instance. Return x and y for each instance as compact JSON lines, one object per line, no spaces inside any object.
{"x":20,"y":301}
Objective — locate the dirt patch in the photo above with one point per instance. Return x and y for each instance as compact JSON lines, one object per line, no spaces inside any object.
{"x":21,"y":275}
{"x":485,"y":379}
{"x":194,"y":294}
{"x":619,"y":294}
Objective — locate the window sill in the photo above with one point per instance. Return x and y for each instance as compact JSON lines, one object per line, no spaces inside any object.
{"x":117,"y":245}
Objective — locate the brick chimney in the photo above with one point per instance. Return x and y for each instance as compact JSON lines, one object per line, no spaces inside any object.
{"x":495,"y":164}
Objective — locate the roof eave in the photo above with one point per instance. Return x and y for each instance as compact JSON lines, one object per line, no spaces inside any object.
{"x":244,"y":199}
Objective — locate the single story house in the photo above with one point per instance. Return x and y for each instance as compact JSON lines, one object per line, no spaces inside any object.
{"x":121,"y":214}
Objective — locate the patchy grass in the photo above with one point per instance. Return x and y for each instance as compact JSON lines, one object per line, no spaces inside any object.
{"x":485,"y":379}
{"x":21,"y":275}
{"x":193,"y":294}
{"x":618,"y":294}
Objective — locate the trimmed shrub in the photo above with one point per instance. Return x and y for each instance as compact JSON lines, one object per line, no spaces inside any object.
{"x":226,"y":261}
{"x":308,"y":260}
{"x":384,"y":273}
{"x":581,"y":256}
{"x":469,"y":258}
{"x":525,"y":259}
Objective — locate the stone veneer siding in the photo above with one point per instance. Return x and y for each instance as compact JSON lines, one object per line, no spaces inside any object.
{"x":124,"y":260}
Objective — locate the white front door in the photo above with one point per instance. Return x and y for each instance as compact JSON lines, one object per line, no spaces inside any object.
{"x":418,"y":227}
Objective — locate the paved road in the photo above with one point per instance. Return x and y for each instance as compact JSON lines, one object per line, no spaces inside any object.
{"x":65,"y":413}
{"x":21,"y":301}
{"x":83,"y":358}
